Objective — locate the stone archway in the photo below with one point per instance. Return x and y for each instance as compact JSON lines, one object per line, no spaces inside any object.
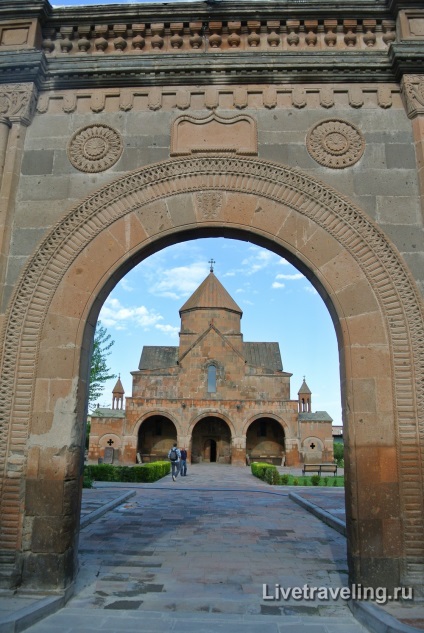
{"x":374,"y":303}
{"x":211,"y":441}
{"x":156,"y":434}
{"x":265,"y":440}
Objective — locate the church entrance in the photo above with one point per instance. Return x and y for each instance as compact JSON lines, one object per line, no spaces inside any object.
{"x":209,"y":452}
{"x":211,"y":441}
{"x":155,"y":437}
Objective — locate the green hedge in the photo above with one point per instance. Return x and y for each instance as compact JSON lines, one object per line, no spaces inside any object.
{"x":141,"y":473}
{"x":266,"y":472}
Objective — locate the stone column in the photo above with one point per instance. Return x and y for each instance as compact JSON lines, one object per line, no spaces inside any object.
{"x":17,"y":106}
{"x":413,"y":93}
{"x":4,"y":136}
{"x":238,"y":451}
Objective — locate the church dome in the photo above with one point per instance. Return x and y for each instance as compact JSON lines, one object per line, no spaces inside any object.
{"x":211,"y":294}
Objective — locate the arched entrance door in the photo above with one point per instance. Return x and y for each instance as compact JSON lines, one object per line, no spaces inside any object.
{"x":211,"y":441}
{"x":365,"y":283}
{"x":209,"y":451}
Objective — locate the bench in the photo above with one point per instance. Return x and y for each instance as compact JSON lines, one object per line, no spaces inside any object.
{"x":319,"y":468}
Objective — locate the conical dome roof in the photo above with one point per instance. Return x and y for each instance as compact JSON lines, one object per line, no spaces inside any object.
{"x":118,"y":388}
{"x":304,"y":388}
{"x":211,"y":294}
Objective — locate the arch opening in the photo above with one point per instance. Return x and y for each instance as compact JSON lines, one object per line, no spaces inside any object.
{"x":360,"y":275}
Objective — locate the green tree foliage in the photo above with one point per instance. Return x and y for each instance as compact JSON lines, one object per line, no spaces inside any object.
{"x":99,"y":371}
{"x":339,"y":453}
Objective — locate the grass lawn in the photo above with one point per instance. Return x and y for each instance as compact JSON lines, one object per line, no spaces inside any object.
{"x":311,"y":480}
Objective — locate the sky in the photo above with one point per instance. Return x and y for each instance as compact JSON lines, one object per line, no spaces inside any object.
{"x":279,"y":305}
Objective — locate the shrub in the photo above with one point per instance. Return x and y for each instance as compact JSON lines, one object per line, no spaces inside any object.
{"x":260,"y":470}
{"x":325,"y":480}
{"x":315,"y":480}
{"x":87,"y":482}
{"x":335,"y":482}
{"x":306,"y":482}
{"x":284,"y":480}
{"x":146,"y":473}
{"x":295,"y":481}
{"x":272,"y":476}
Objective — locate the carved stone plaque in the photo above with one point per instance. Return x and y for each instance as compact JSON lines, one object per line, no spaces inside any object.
{"x":214,"y":133}
{"x":109,"y":455}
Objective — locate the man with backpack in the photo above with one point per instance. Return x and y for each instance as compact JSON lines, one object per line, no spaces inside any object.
{"x":175,"y":456}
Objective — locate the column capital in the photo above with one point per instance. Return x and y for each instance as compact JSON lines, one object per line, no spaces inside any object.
{"x":18,"y":102}
{"x":413,"y":93}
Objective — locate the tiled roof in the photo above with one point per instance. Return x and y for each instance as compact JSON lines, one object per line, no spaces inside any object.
{"x":105,"y":412}
{"x":211,"y":294}
{"x":263,"y":355}
{"x":158,"y":357}
{"x":257,"y":354}
{"x":318,"y":416}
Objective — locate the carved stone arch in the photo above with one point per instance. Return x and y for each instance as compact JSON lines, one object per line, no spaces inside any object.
{"x":117,"y":439}
{"x":273,"y":416}
{"x":380,"y":312}
{"x":161,"y":412}
{"x":315,"y":440}
{"x":208,"y":414}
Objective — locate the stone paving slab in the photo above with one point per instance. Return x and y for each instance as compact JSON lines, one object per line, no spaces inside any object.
{"x":195,"y":554}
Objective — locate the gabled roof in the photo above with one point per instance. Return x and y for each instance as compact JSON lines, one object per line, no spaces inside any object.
{"x":211,"y":294}
{"x":318,"y":416}
{"x":263,"y":355}
{"x":158,"y":357}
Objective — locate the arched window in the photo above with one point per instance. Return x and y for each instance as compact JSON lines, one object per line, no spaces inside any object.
{"x":211,"y":379}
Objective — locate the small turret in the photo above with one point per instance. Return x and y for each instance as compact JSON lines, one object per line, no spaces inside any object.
{"x":118,"y":395}
{"x":305,"y":398}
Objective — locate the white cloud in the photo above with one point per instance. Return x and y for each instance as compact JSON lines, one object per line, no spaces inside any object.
{"x":114,"y":314}
{"x":310,"y":289}
{"x":168,"y":329}
{"x":277,"y":284}
{"x":125,"y":285}
{"x":290,"y":277}
{"x":178,"y":282}
{"x":284,"y":262}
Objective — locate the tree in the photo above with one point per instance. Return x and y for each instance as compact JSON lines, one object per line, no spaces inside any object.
{"x":99,"y":371}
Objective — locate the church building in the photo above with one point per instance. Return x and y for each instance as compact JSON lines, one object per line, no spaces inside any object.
{"x":223,"y":399}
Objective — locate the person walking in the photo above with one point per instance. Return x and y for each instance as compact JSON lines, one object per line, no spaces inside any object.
{"x":175,"y":456}
{"x":183,"y":466}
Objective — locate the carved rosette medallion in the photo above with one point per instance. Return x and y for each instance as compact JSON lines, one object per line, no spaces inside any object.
{"x":95,"y":148}
{"x":209,"y":204}
{"x":335,"y":143}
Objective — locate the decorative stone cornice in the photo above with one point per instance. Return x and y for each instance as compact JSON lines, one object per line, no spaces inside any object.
{"x":18,"y":102}
{"x":413,"y":94}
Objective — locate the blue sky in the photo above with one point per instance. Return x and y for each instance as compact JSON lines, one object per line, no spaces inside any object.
{"x":278,"y":303}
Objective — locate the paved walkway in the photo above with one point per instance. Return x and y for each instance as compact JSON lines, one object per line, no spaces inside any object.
{"x":195,"y":555}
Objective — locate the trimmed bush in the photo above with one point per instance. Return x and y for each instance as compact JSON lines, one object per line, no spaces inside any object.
{"x":260,"y":470}
{"x":145,"y":473}
{"x":284,"y":480}
{"x":315,"y":480}
{"x":295,"y":481}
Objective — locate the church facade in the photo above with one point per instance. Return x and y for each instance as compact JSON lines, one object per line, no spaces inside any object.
{"x":223,"y":399}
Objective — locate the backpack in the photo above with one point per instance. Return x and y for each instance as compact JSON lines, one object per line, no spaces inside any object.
{"x":173,"y":455}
